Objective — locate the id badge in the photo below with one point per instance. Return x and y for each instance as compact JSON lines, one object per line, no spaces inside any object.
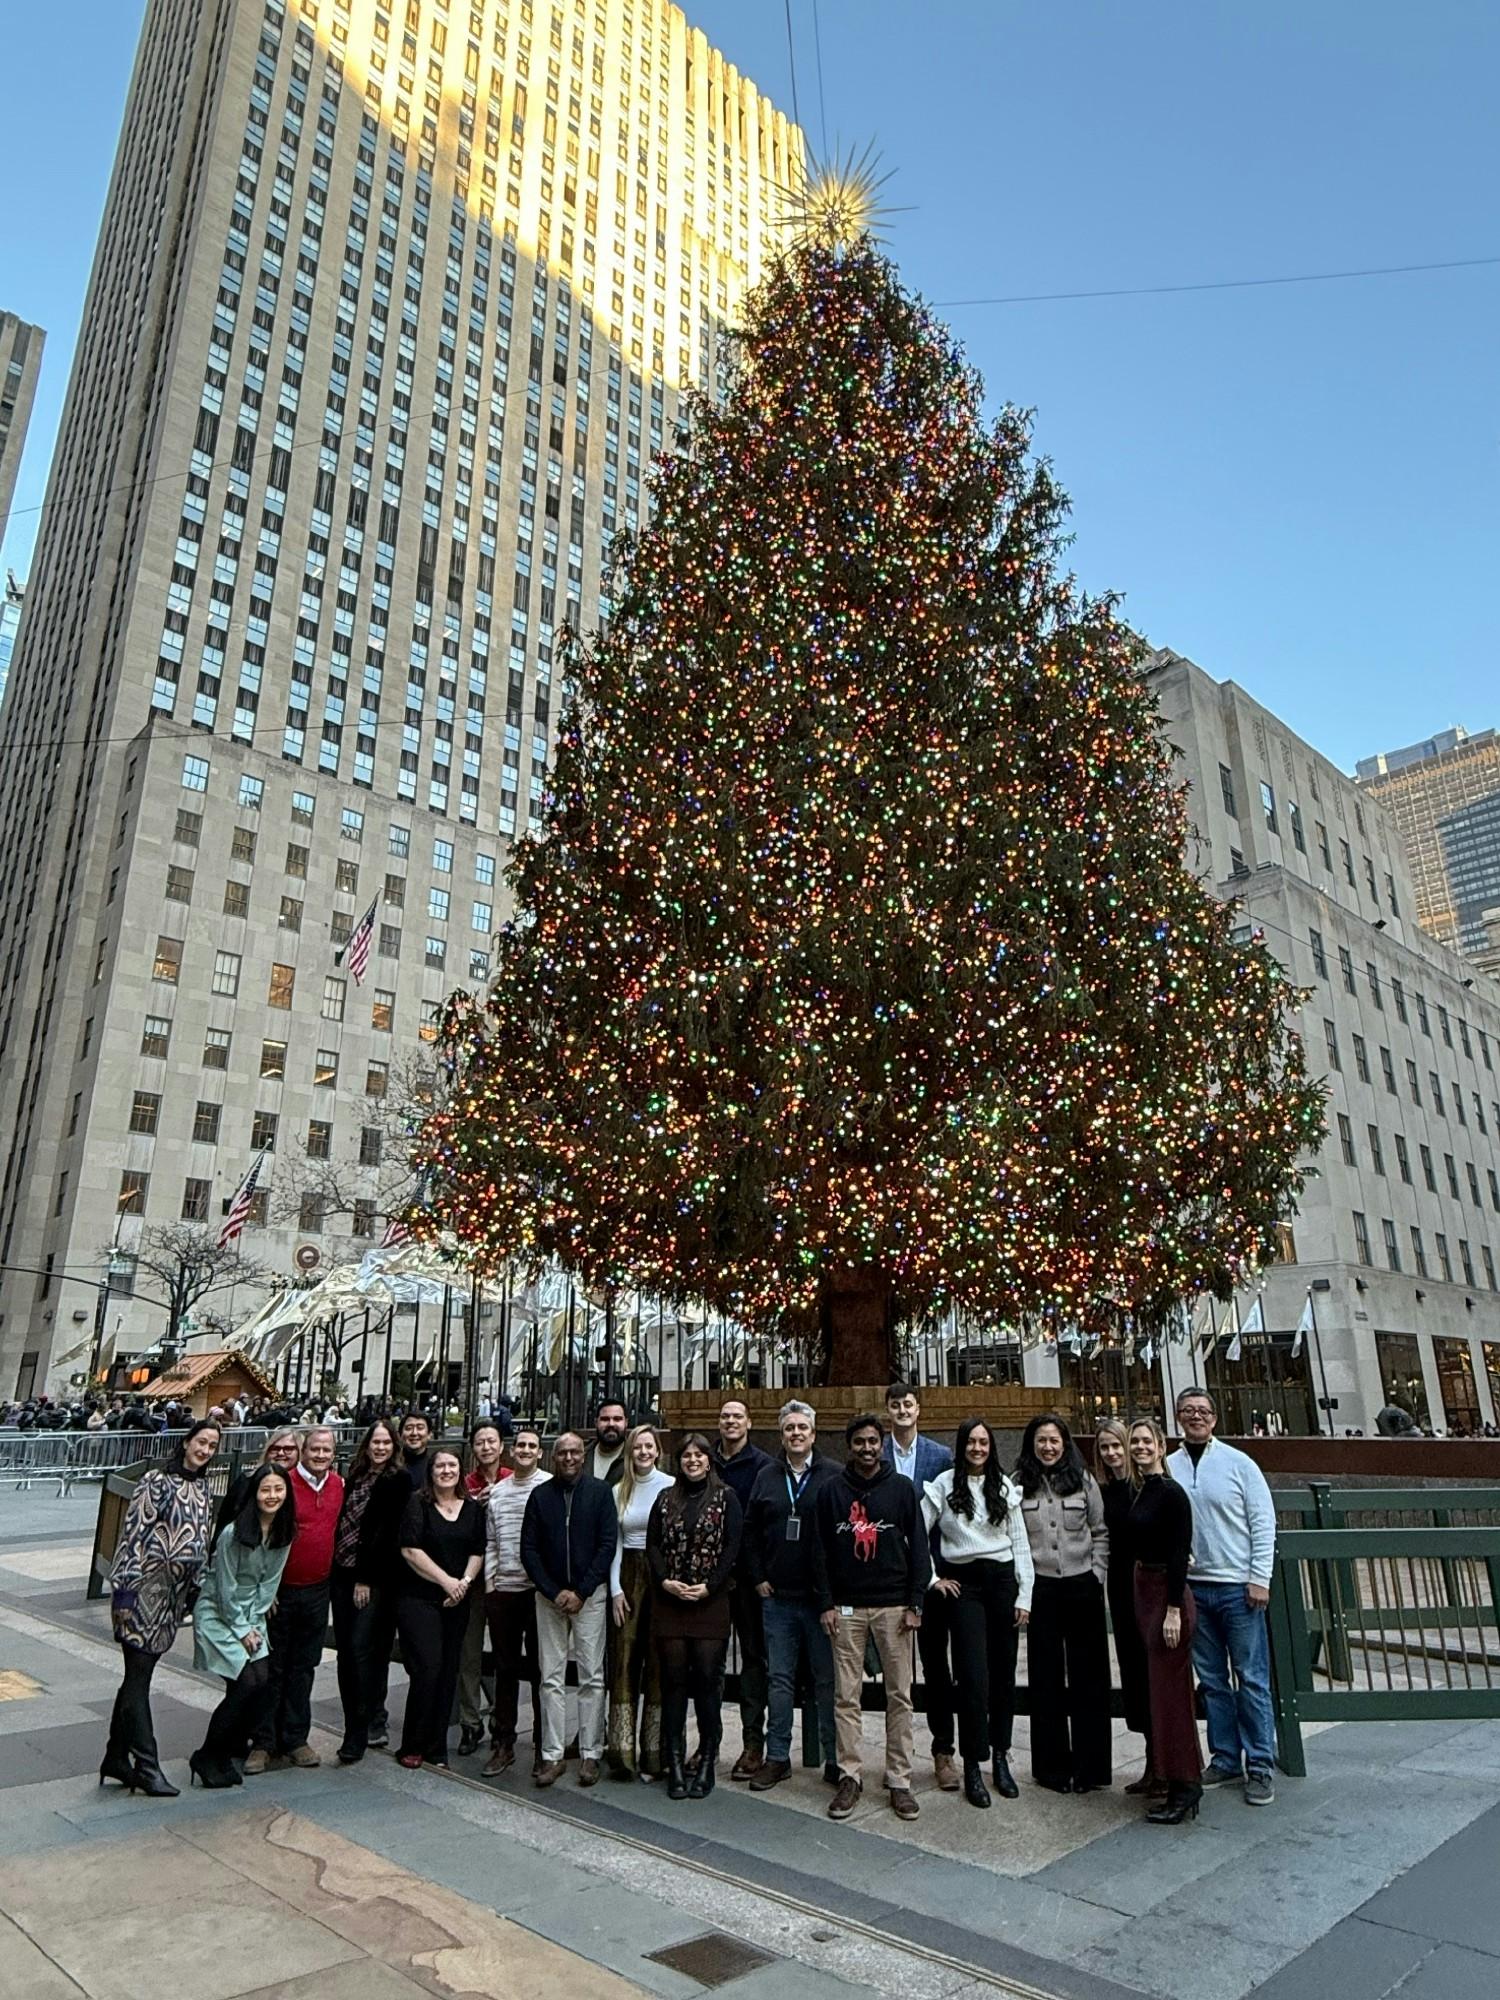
{"x":793,"y":1528}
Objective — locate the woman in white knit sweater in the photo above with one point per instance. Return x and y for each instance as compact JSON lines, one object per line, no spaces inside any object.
{"x":984,"y":1566}
{"x":634,"y":1749}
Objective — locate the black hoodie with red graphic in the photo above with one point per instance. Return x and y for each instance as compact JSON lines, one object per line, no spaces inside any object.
{"x":870,"y":1547}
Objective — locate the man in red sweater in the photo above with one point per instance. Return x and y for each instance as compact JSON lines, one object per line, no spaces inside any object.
{"x":299,"y":1617}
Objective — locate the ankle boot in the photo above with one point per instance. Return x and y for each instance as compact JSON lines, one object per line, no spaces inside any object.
{"x":117,"y":1765}
{"x":1180,"y":1803}
{"x":150,"y":1780}
{"x":974,"y":1790}
{"x":677,"y":1784}
{"x":703,"y":1777}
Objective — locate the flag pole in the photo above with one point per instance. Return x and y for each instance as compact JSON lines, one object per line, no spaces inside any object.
{"x":1322,"y":1371}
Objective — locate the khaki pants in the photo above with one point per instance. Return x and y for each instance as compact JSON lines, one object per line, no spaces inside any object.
{"x":894,"y":1646}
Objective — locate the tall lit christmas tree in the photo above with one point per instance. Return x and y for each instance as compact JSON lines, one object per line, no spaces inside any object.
{"x":856,"y":973}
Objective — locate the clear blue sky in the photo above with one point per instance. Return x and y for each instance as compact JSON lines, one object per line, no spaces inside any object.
{"x":1297,"y":486}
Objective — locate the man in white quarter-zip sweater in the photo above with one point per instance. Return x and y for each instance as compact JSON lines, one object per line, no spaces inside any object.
{"x":1234,"y":1550}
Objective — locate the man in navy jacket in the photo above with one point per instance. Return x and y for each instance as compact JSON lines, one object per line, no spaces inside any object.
{"x":567,"y":1543}
{"x":920,"y":1459}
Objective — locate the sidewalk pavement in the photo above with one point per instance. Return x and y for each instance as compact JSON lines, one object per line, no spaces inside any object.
{"x":1375,"y":1872}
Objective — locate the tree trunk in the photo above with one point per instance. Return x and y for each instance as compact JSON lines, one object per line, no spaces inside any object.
{"x":855,"y":1312}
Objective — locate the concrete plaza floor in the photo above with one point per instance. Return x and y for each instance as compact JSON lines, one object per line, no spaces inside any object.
{"x":1374,"y":1873}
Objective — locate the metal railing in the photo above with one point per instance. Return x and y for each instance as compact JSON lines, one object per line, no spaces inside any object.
{"x":71,"y":1457}
{"x":1381,"y":1624}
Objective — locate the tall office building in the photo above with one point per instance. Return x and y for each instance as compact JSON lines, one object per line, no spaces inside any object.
{"x":20,"y":364}
{"x":1444,"y":794}
{"x":393,"y":303}
{"x":11,"y":604}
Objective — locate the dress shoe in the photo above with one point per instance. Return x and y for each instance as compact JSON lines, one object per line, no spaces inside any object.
{"x":845,"y":1799}
{"x":410,"y":1760}
{"x":1003,"y":1780}
{"x":974,"y":1787}
{"x":746,"y":1765}
{"x":547,"y":1774}
{"x":771,"y":1772}
{"x":469,"y":1739}
{"x":945,"y":1770}
{"x":502,"y":1756}
{"x":588,"y":1771}
{"x":304,"y":1757}
{"x":904,"y":1804}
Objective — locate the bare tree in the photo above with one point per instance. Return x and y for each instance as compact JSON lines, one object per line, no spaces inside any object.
{"x":358,"y":1176}
{"x":188,"y":1264}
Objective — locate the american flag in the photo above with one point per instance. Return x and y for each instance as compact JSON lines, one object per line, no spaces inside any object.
{"x":239,"y":1208}
{"x":356,"y":952}
{"x":396,"y":1232}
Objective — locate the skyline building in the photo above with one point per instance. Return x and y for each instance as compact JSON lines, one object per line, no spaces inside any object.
{"x":20,"y":364}
{"x":393,"y":303}
{"x":1444,"y":794}
{"x":11,"y":606}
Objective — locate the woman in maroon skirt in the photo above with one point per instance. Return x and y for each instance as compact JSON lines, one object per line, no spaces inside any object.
{"x":1161,"y":1531}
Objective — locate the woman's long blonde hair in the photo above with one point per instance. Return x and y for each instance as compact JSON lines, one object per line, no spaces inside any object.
{"x":1145,"y":1424}
{"x":625,"y":1487}
{"x":1111,"y":1427}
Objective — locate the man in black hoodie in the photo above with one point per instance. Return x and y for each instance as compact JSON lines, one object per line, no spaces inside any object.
{"x":872,"y":1565}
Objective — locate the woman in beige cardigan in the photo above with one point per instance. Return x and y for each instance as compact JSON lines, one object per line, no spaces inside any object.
{"x":1067,"y":1646}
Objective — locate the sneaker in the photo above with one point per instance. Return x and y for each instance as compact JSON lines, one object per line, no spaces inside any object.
{"x":1260,"y":1788}
{"x":845,"y":1799}
{"x":378,"y":1739}
{"x":304,"y":1757}
{"x":747,"y":1764}
{"x":904,"y":1805}
{"x":1220,"y":1774}
{"x":257,"y":1763}
{"x":772,"y":1772}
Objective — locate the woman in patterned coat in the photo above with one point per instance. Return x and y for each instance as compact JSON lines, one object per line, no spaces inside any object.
{"x":162,"y":1549}
{"x":692,"y":1539}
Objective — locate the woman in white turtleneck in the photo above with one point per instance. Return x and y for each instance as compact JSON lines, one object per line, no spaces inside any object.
{"x":634,"y":1682}
{"x":984,"y":1567}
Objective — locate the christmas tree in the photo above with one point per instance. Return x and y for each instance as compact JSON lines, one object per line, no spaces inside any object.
{"x":856,"y":973}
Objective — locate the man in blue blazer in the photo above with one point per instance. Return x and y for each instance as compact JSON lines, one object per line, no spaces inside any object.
{"x":919,"y":1459}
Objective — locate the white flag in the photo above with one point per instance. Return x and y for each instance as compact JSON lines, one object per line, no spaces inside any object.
{"x":1254,"y":1320}
{"x":1226,"y":1325}
{"x":1304,"y":1326}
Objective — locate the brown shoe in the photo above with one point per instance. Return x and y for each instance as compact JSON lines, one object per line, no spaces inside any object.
{"x":257,"y":1763}
{"x":845,"y":1799}
{"x":747,"y":1764}
{"x":771,"y":1772}
{"x":946,"y":1772}
{"x":546,"y":1774}
{"x":903,"y":1805}
{"x":588,"y":1771}
{"x":304,"y":1757}
{"x":501,"y":1758}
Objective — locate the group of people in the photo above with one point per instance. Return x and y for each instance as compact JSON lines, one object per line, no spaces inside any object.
{"x":639,"y":1576}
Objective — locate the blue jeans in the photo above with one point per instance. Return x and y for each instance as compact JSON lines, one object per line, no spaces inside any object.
{"x":1233,"y":1638}
{"x":791,"y":1624}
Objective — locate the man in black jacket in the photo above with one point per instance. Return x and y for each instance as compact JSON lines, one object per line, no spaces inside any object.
{"x":776,"y":1557}
{"x":567,"y":1542}
{"x":872,"y":1565}
{"x":739,"y":1463}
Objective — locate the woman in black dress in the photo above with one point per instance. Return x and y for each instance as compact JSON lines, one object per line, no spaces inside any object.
{"x":692,"y":1539}
{"x":1112,"y":1458}
{"x":442,"y":1540}
{"x":367,"y":1568}
{"x":1161,"y":1530}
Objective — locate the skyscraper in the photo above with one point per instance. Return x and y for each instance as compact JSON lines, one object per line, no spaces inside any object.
{"x":11,"y":604}
{"x":1444,"y":794}
{"x":20,"y":364}
{"x":393,"y":302}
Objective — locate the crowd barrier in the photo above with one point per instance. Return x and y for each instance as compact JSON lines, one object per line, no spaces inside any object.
{"x":73,"y":1457}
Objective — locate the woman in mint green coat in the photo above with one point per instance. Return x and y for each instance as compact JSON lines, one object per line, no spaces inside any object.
{"x":229,"y":1622}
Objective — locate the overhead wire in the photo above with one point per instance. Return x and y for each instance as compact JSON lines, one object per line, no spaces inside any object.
{"x":1220,"y":284}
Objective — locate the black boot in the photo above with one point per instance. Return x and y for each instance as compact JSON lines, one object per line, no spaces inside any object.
{"x":974,"y":1790}
{"x":703,"y":1778}
{"x":1004,"y":1783}
{"x":149,"y":1779}
{"x":1180,"y":1803}
{"x":212,"y":1773}
{"x":117,"y":1765}
{"x":677,"y":1784}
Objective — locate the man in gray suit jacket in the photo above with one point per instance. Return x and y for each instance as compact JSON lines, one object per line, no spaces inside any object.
{"x":919,"y":1459}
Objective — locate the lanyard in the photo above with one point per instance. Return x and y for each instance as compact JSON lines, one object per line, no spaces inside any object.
{"x":794,"y":1493}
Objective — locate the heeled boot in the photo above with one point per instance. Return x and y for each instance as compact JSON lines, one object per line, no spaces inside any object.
{"x":149,"y":1778}
{"x":1003,"y":1779}
{"x":117,"y":1765}
{"x":677,"y":1784}
{"x":974,"y":1788}
{"x":703,"y":1778}
{"x":1180,"y":1803}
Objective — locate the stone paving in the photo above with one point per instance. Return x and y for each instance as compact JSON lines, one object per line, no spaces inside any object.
{"x":1377,"y":1871}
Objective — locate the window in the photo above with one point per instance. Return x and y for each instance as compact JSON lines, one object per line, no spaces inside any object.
{"x":480,"y":917}
{"x":363,"y":1222}
{"x":484,"y":869}
{"x":1323,"y":848}
{"x":1463,"y":1039}
{"x":351,"y":825}
{"x":1478,"y":1110}
{"x":1472,"y":1173}
{"x":1398,"y":994}
{"x":1362,"y":1239}
{"x":1346,"y":1141}
{"x":1424,"y":1153}
{"x":1320,"y":957}
{"x":168,"y":961}
{"x":283,"y":985}
{"x":427,"y":1028}
{"x":479,"y":965}
{"x":1414,"y":1088}
{"x":1392,"y":1254}
{"x":273,"y":1059}
{"x":390,"y":941}
{"x":398,"y":841}
{"x":133,"y":1189}
{"x":1388,"y":1070}
{"x":226,"y":979}
{"x":195,"y":1200}
{"x":1418,"y":1251}
{"x":179,"y":885}
{"x":236,"y":899}
{"x":1346,"y":969}
{"x":1451,"y":1169}
{"x":189,"y":827}
{"x":346,"y":878}
{"x":263,"y":1132}
{"x":303,"y":807}
{"x":1445,"y":1262}
{"x":437,"y":905}
{"x":333,"y":998}
{"x":145,"y":1110}
{"x":1268,"y":806}
{"x":289,"y":916}
{"x":1445,"y":1026}
{"x":1458,"y":1104}
{"x":326,"y":1069}
{"x":1331,"y":1037}
{"x":296,"y":861}
{"x":1494,"y":1181}
{"x":383,"y":1011}
{"x":206,"y":1118}
{"x":395,"y":890}
{"x":442,"y":857}
{"x":251,"y":792}
{"x":370,"y":1146}
{"x":1403,"y":1159}
{"x":156,"y":1035}
{"x":216,"y":1048}
{"x":310,"y":1212}
{"x":319,"y":1139}
{"x":1489,"y":1265}
{"x":242,"y":845}
{"x":1346,"y":855}
{"x":1435,"y":1085}
{"x":1370,"y":878}
{"x":1422,"y":1021}
{"x":1377,"y":1157}
{"x":1465,"y":1257}
{"x":1361,"y":1059}
{"x":1237,"y":866}
{"x":377,"y":1076}
{"x":437,"y":954}
{"x":1226,"y":790}
{"x":1299,"y":839}
{"x":1372,"y":974}
{"x":195,"y":774}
